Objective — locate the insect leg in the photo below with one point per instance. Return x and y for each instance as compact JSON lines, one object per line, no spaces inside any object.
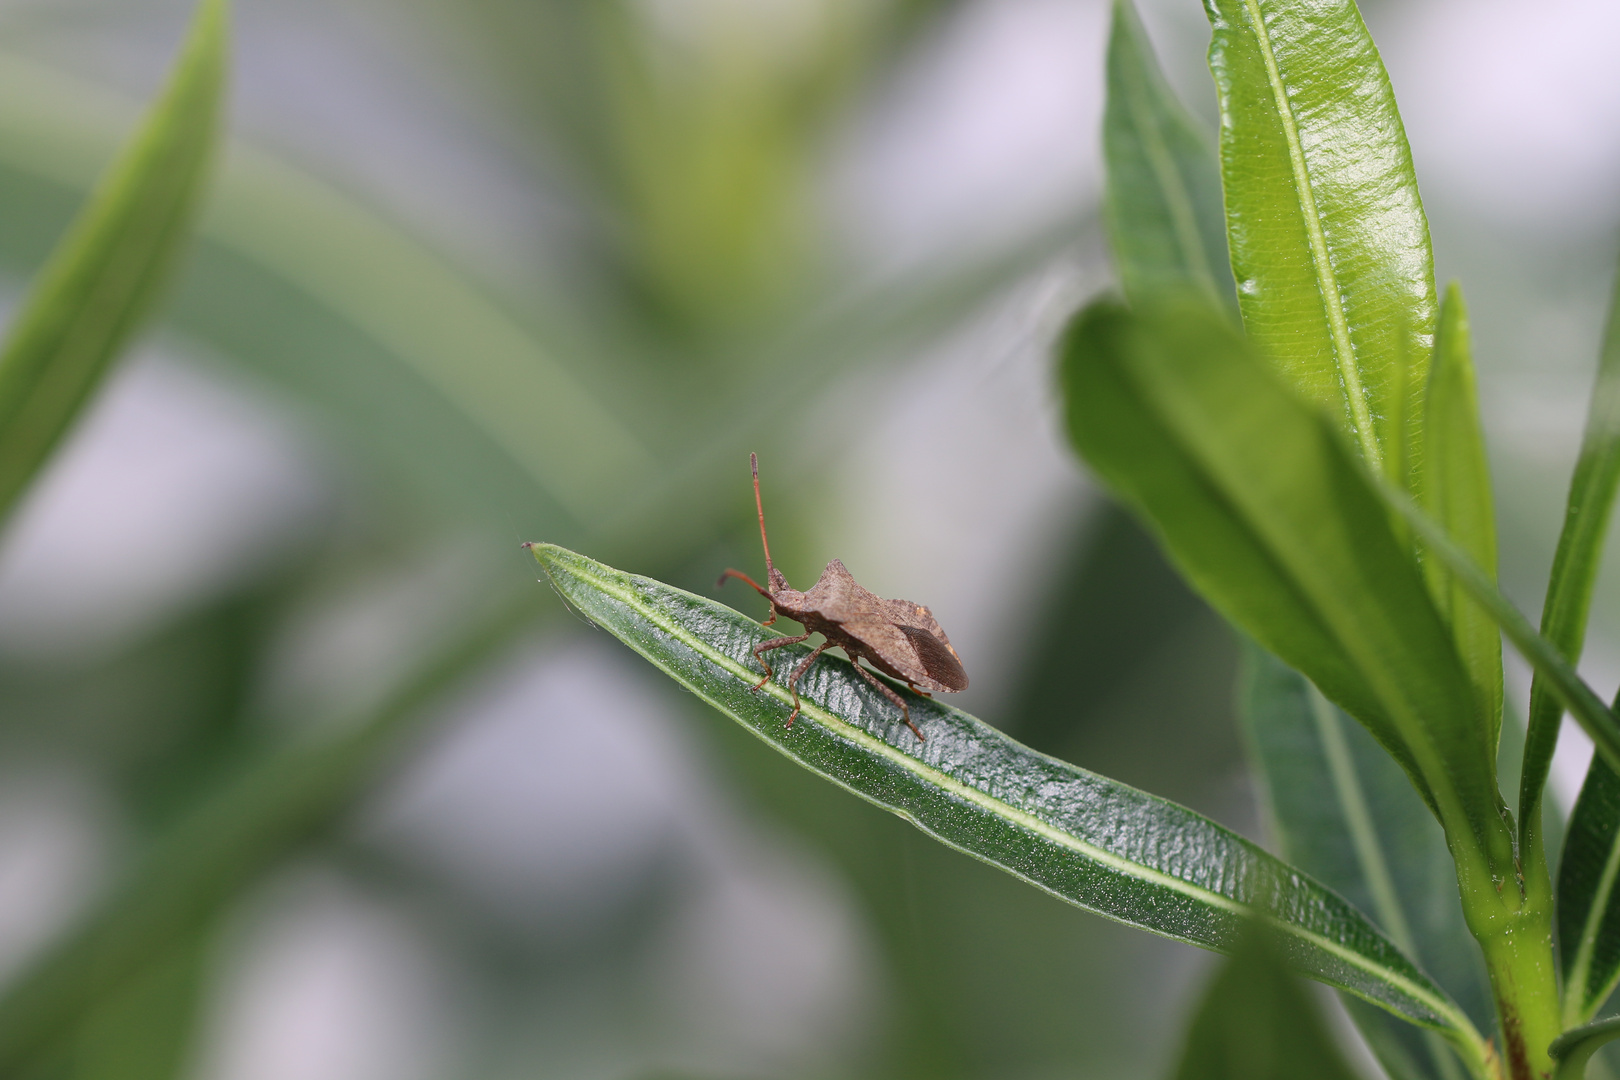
{"x":804,"y":665}
{"x":775,"y":643}
{"x":888,"y":692}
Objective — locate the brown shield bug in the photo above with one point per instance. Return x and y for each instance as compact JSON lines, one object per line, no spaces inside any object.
{"x":897,"y":637}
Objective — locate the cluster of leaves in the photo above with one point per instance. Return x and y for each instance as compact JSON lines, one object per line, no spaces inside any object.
{"x":1306,"y":447}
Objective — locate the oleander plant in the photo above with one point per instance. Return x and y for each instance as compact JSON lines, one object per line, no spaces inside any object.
{"x":1277,"y":393}
{"x":1286,"y":400}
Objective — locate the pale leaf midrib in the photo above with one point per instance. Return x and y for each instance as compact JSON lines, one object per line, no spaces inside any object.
{"x":1438,"y":1006}
{"x":1327,"y":280}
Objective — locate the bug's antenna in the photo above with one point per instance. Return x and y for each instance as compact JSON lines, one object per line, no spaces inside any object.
{"x":770,"y":570}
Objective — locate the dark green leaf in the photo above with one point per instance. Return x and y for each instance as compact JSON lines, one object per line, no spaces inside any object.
{"x":1342,"y":811}
{"x":1575,"y":567}
{"x":1329,"y":244}
{"x":1259,"y":501}
{"x":1087,"y":839}
{"x":1588,"y":915}
{"x":1164,"y":187}
{"x":1256,"y":1023}
{"x":106,"y":273}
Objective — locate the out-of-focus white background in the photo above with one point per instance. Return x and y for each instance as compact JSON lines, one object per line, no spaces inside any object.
{"x":578,"y":873}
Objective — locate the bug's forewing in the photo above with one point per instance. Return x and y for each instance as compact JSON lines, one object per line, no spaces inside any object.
{"x":934,"y":650}
{"x":939,"y":660}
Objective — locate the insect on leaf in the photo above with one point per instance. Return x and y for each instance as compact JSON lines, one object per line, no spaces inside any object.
{"x":1092,"y":841}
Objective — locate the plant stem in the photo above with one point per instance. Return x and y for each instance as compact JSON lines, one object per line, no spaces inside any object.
{"x":1516,"y":937}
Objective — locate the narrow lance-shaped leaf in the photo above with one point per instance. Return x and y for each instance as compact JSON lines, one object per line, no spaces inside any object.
{"x":1588,"y":914}
{"x":1163,"y":200}
{"x":1595,"y":718}
{"x":1342,"y":811}
{"x":106,"y":273}
{"x":1456,"y":491}
{"x":1254,"y":1023}
{"x":1092,"y":841}
{"x":1329,"y":244}
{"x":1574,"y":573}
{"x":1254,"y":495}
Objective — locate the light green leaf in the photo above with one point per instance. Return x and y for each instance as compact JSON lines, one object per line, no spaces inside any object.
{"x":1092,"y":841}
{"x":1573,"y":1049}
{"x":1257,"y":498}
{"x":1456,"y":491}
{"x":1575,"y":567}
{"x":1329,"y":244}
{"x":1256,"y":1023}
{"x":247,"y":825}
{"x":1562,"y":680}
{"x":106,"y":273}
{"x":1163,"y":200}
{"x":1588,"y":916}
{"x":1341,"y":810}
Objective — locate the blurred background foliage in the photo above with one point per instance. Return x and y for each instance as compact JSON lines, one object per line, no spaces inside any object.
{"x":303,"y":775}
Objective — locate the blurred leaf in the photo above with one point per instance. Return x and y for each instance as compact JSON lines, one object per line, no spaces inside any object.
{"x":158,"y":716}
{"x":107,"y":272}
{"x":146,"y":1029}
{"x":547,"y":413}
{"x":1257,"y":1023}
{"x":231,"y":837}
{"x":1588,"y":916}
{"x":1106,"y":610}
{"x":1575,"y":568}
{"x":1255,"y":496}
{"x":1574,"y":1049}
{"x":1164,"y":187}
{"x":1342,"y":811}
{"x":1329,"y":244}
{"x":1089,"y":840}
{"x":327,"y":298}
{"x":1456,"y":491}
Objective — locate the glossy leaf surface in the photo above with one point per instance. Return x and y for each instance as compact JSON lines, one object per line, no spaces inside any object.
{"x":1163,"y":199}
{"x":1342,"y":811}
{"x":1575,"y":566}
{"x":1456,"y":491}
{"x":1256,"y":1023}
{"x":1329,"y":244}
{"x":1262,"y":505}
{"x":105,"y":274}
{"x":1095,"y":842}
